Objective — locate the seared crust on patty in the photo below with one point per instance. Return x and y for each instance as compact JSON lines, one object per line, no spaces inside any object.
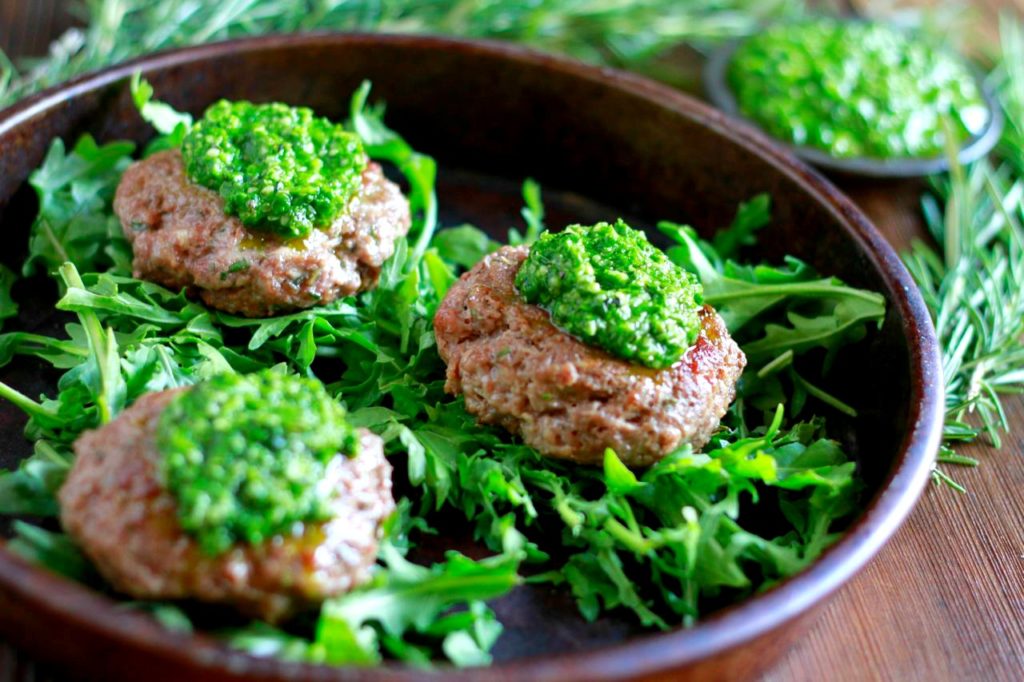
{"x":565,"y":398}
{"x":181,"y":238}
{"x":114,"y":506}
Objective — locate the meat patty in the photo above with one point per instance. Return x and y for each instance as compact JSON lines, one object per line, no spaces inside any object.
{"x":116,"y":509}
{"x":565,"y":398}
{"x":181,"y":238}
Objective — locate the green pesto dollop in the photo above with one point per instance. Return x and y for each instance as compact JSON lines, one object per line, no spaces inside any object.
{"x":278,"y":168}
{"x":855,"y":89}
{"x":609,"y":287}
{"x":245,"y":456}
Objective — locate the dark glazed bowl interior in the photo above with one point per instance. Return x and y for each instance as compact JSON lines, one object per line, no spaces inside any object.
{"x":716,"y":85}
{"x":602,"y":144}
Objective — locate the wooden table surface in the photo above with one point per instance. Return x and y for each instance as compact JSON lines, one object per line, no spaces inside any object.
{"x":944,"y":600}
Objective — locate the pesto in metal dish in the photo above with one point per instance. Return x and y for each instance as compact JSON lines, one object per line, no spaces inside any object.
{"x":245,"y":456}
{"x":609,"y":287}
{"x":278,"y":168}
{"x":856,"y":89}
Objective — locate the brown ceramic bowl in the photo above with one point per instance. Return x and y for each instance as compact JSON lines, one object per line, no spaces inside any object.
{"x":603,"y":144}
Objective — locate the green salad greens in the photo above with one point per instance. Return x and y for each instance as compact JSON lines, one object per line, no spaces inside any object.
{"x":243,"y":455}
{"x":856,"y":89}
{"x":662,"y":546}
{"x":606,"y":285}
{"x":279,"y":168}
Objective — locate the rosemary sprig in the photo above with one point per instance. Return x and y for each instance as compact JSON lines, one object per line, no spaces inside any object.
{"x":624,"y":34}
{"x":973,"y":283}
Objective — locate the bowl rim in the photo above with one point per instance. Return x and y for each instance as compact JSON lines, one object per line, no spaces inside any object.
{"x":719,"y":92}
{"x":54,"y":597}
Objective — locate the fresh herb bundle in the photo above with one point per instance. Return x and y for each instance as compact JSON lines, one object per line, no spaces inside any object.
{"x":973,"y":282}
{"x":663,"y":545}
{"x":625,"y":34}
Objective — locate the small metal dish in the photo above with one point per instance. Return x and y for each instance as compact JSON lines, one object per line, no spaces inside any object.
{"x":716,"y":86}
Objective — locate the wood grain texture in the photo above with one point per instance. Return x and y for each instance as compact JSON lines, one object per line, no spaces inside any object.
{"x":28,"y":26}
{"x":943,"y":601}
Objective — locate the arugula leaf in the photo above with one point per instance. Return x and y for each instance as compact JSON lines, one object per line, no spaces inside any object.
{"x":171,"y":124}
{"x":846,"y":323}
{"x":408,"y":597}
{"x":262,"y":640}
{"x":59,"y":353}
{"x":533,"y":214}
{"x":751,"y":216}
{"x":8,"y":306}
{"x":75,"y":222}
{"x":818,"y":312}
{"x":32,"y":488}
{"x":54,"y":551}
{"x":439,"y":274}
{"x":420,"y":170}
{"x":168,"y":615}
{"x":468,"y":635}
{"x":101,"y":375}
{"x":619,"y":479}
{"x":464,"y":245}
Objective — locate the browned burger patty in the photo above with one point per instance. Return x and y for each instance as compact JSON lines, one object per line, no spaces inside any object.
{"x":565,"y":398}
{"x":182,"y":238}
{"x":115,"y":508}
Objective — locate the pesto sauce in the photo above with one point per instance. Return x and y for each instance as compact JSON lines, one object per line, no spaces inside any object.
{"x":278,"y":168}
{"x":855,"y":89}
{"x":245,"y":456}
{"x":609,"y":287}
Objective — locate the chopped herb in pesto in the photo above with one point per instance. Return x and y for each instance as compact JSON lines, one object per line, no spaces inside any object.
{"x":245,"y":456}
{"x":855,"y":89}
{"x":237,"y":266}
{"x":278,"y":168}
{"x":609,"y":287}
